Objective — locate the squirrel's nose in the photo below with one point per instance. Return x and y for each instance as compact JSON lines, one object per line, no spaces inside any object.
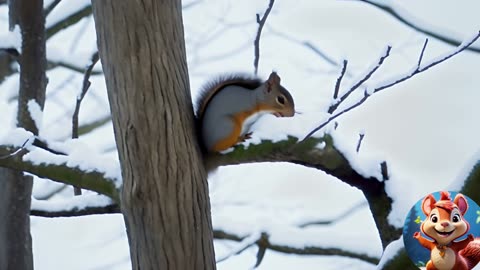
{"x":444,"y":224}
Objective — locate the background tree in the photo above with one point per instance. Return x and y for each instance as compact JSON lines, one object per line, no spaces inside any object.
{"x":149,"y":67}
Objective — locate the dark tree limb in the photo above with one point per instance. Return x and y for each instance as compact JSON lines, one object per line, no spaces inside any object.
{"x":76,"y":212}
{"x":50,"y":7}
{"x":327,"y":159}
{"x":15,"y":187}
{"x":261,"y":23}
{"x":418,"y":28}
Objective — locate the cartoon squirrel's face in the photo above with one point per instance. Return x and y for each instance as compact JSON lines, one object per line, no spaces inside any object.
{"x":445,"y":222}
{"x":444,"y":226}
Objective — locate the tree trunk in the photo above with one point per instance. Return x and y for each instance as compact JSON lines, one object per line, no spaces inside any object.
{"x":15,"y":188}
{"x":165,"y":193}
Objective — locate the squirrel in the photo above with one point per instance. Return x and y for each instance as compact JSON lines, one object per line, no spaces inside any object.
{"x":229,"y":105}
{"x":445,"y":223}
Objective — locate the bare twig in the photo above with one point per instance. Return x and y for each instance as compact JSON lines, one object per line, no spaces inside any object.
{"x":246,"y":243}
{"x":261,"y":23}
{"x":382,"y":58}
{"x":395,"y":81}
{"x":53,"y":64}
{"x":262,"y":249}
{"x":417,"y":27}
{"x":337,"y":218}
{"x":421,"y":53}
{"x":307,"y":250}
{"x":85,"y":87}
{"x":384,"y":169}
{"x":68,"y":21}
{"x":16,"y":152}
{"x":339,"y":80}
{"x":361,"y":135}
{"x":51,"y":7}
{"x":51,"y":193}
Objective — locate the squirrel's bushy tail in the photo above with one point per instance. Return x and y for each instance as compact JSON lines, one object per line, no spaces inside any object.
{"x":472,"y":253}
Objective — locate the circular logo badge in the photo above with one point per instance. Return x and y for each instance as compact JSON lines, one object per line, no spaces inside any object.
{"x":442,"y":231}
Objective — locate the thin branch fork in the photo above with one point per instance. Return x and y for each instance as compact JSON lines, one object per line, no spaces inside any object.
{"x":360,"y":82}
{"x":261,"y":22}
{"x":85,"y":87}
{"x":419,"y":69}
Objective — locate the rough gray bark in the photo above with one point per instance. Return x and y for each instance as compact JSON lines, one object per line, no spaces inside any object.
{"x":15,"y":188}
{"x":165,"y":194}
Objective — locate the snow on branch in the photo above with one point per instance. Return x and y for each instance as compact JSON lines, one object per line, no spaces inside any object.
{"x":88,"y":204}
{"x":93,"y":173}
{"x":417,"y":69}
{"x":413,"y":23}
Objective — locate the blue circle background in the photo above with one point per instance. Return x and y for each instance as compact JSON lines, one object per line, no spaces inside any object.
{"x":417,"y":253}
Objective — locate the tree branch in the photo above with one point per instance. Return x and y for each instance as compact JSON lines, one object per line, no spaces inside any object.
{"x":85,"y":86}
{"x":417,"y":27}
{"x":62,"y":173}
{"x":68,"y":21}
{"x":261,"y":23}
{"x":359,"y":82}
{"x":80,"y":69}
{"x":325,"y":158}
{"x":308,"y":250}
{"x":77,"y":211}
{"x":419,"y":69}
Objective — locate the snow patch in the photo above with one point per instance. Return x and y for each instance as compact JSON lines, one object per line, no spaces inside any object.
{"x":79,"y":155}
{"x":36,"y":112}
{"x":72,"y":203}
{"x":11,"y":39}
{"x":17,"y":137}
{"x":390,"y":252}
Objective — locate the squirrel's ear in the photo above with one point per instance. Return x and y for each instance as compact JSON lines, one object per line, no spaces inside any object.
{"x":428,"y":204}
{"x":273,"y":79}
{"x":461,"y":202}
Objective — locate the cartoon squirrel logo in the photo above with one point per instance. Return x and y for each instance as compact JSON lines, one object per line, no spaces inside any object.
{"x":445,"y":223}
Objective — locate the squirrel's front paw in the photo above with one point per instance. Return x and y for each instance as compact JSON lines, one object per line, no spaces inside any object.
{"x":245,"y":137}
{"x":416,"y":235}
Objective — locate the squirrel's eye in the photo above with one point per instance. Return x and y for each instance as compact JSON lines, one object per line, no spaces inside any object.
{"x":456,"y":218}
{"x":281,"y":100}
{"x":434,"y":218}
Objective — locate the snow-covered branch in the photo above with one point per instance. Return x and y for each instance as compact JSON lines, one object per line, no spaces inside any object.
{"x":88,"y":204}
{"x":415,"y":24}
{"x":62,"y":170}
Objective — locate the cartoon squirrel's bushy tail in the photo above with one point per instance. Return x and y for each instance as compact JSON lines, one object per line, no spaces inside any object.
{"x":472,"y":253}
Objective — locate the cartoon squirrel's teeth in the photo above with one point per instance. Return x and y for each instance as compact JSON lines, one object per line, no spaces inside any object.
{"x":445,"y":234}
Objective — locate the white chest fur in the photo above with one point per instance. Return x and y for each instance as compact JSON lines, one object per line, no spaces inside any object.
{"x":247,"y":123}
{"x":445,"y":262}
